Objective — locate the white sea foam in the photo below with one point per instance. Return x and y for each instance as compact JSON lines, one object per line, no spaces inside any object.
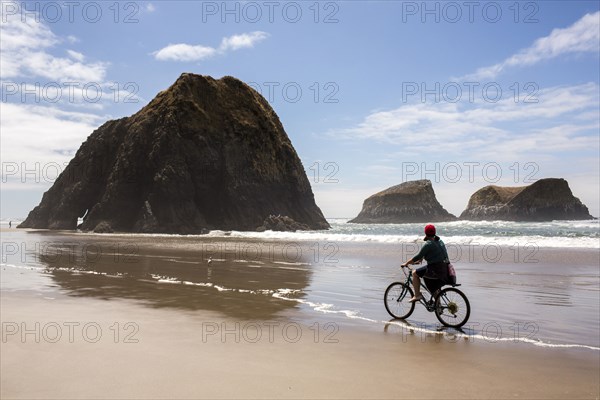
{"x":290,"y":263}
{"x":460,"y":335}
{"x":182,"y":261}
{"x":287,"y":294}
{"x":535,"y":240}
{"x":63,"y":269}
{"x":554,"y":234}
{"x":320,"y":307}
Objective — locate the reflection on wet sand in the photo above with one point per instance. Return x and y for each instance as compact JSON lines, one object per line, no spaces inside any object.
{"x":403,"y":328}
{"x":174,"y":278}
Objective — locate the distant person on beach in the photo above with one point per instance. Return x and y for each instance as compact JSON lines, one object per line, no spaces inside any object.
{"x":436,"y":270}
{"x":9,"y":224}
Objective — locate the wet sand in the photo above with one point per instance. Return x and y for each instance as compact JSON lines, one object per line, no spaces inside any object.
{"x":147,"y":317}
{"x":185,"y":355}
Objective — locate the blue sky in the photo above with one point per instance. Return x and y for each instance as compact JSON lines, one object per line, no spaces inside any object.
{"x":371,"y":94}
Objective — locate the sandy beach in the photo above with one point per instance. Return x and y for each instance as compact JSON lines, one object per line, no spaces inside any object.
{"x":93,"y":316}
{"x":176,"y":355}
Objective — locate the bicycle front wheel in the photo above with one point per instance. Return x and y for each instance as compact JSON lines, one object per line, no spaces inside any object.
{"x":396,"y":300}
{"x":452,"y":308}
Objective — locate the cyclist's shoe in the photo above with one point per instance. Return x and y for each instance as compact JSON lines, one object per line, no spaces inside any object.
{"x":416,"y":298}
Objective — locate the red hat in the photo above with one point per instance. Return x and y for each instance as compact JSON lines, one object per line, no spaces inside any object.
{"x":430,"y":230}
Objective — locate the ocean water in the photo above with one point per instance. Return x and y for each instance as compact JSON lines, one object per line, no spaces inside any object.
{"x":568,"y":234}
{"x":557,"y":234}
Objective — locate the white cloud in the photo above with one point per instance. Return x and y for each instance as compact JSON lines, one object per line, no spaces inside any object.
{"x":76,"y":55}
{"x":32,"y":73}
{"x":25,"y":53}
{"x":60,"y":69}
{"x":38,"y":134}
{"x":245,"y":40}
{"x":25,"y":34}
{"x":581,"y":37}
{"x":184,"y":52}
{"x":564,"y":118}
{"x":188,"y":52}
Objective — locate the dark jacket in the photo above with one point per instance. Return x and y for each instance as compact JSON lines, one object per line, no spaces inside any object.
{"x":434,"y":252}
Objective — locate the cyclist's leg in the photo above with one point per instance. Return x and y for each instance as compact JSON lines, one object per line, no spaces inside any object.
{"x":417,"y":274}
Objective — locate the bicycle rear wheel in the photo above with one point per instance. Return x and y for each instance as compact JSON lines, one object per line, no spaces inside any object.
{"x":452,"y":307}
{"x":396,"y":300}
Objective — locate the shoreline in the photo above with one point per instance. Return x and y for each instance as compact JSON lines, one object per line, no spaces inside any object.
{"x":523,"y":237}
{"x":301,"y":236}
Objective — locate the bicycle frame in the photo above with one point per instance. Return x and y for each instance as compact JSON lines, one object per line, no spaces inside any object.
{"x":430,"y":304}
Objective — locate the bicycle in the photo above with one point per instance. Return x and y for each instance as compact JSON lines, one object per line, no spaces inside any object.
{"x":450,"y":305}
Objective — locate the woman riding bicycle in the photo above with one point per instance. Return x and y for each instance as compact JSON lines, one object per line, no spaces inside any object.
{"x":436,"y":270}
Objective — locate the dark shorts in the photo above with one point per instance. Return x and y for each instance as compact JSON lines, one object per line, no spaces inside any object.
{"x":433,"y":271}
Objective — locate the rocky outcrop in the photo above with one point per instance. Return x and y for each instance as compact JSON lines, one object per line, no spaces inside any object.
{"x":412,"y":201}
{"x":103,"y":227}
{"x":488,"y":202}
{"x":203,"y":154}
{"x":545,"y":200}
{"x":281,"y":224}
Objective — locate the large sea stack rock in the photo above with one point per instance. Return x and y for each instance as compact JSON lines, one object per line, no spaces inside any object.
{"x":203,"y":154}
{"x":489,"y":202}
{"x":412,"y":201}
{"x":545,"y":200}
